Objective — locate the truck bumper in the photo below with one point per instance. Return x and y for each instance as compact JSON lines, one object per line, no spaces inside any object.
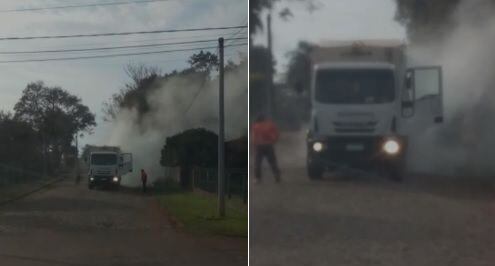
{"x":359,"y":152}
{"x":104,"y":180}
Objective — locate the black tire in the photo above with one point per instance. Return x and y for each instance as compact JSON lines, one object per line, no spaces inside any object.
{"x":91,"y":185}
{"x":315,"y":172}
{"x":396,"y":172}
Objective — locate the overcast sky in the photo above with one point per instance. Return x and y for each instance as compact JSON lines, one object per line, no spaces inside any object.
{"x":334,"y":20}
{"x":96,"y":80}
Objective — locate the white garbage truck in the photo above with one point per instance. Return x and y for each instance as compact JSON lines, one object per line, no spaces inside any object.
{"x":364,"y":95}
{"x":107,"y":167}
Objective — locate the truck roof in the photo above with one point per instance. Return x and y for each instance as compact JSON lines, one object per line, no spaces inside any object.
{"x":373,"y":51}
{"x":354,"y":65}
{"x":385,"y":43}
{"x":104,"y":152}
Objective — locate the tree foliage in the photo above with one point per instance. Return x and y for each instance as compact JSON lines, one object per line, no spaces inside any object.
{"x":261,"y":68}
{"x":256,"y":8}
{"x":21,"y":147}
{"x":56,"y":115}
{"x":51,"y":108}
{"x":199,"y":148}
{"x":299,"y":67}
{"x":204,"y":62}
{"x":146,"y":79}
{"x":424,"y":19}
{"x":192,"y":147}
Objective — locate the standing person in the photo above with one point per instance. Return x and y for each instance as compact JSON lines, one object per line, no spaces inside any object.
{"x":144,"y":179}
{"x":264,"y":136}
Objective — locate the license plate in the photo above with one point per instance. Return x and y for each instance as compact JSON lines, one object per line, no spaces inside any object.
{"x":354,"y":147}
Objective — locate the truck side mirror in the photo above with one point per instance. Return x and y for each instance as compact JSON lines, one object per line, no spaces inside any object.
{"x":409,"y":97}
{"x":407,"y":109}
{"x":408,"y":81}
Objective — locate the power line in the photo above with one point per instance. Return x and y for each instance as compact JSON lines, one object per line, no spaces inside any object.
{"x":137,"y":40}
{"x":114,"y":55}
{"x":119,"y":33}
{"x":111,"y":47}
{"x":116,"y":3}
{"x":245,"y":21}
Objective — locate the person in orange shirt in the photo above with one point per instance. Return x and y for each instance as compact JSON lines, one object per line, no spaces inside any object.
{"x":264,"y":136}
{"x":144,"y":179}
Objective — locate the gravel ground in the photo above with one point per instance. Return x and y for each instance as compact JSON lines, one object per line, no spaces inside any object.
{"x":71,"y":225}
{"x":362,"y":220}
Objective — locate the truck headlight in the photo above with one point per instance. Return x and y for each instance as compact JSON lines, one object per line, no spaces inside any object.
{"x":317,"y":146}
{"x":91,"y":179}
{"x":115,"y":179}
{"x":391,"y":147}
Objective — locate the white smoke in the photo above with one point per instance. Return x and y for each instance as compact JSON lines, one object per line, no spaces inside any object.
{"x":465,"y":143}
{"x":174,"y":108}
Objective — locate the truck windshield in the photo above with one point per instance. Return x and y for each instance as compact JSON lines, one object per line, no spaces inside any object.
{"x":104,"y":159}
{"x":351,"y":86}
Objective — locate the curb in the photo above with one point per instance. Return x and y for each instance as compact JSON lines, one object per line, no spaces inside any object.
{"x":26,"y":194}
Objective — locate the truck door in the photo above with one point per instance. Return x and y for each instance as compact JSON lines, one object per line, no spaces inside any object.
{"x":423,"y":95}
{"x":126,"y":163}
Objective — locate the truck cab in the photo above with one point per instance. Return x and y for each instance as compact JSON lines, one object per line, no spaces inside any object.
{"x":361,"y":101}
{"x":108,"y":167}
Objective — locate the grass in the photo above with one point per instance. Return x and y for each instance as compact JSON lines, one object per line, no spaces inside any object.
{"x":198,"y":213}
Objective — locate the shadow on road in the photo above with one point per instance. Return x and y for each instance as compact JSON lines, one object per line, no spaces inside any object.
{"x":41,"y":260}
{"x":462,"y":187}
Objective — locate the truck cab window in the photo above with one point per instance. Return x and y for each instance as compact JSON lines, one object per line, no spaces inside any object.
{"x":103,"y":159}
{"x":363,"y":86}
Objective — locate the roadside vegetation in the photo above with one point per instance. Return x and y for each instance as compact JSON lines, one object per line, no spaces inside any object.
{"x":197,"y":211}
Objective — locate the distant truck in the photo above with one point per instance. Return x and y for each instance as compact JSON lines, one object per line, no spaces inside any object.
{"x":106,"y":167}
{"x":362,"y":94}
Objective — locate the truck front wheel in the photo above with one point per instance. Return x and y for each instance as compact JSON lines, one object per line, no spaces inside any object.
{"x":396,"y":171}
{"x":315,"y":171}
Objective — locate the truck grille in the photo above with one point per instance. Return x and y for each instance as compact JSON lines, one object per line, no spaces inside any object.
{"x":103,"y":172}
{"x":355,"y":127}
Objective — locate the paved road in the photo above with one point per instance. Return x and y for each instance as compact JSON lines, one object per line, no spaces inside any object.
{"x":71,"y":225}
{"x":363,"y":220}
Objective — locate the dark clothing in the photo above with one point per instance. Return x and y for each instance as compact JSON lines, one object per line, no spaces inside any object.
{"x":269,"y":152}
{"x":144,"y":179}
{"x":144,"y":186}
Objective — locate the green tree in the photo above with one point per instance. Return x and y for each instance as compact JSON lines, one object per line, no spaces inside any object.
{"x":260,"y":71}
{"x":199,"y":148}
{"x":299,"y":67}
{"x":194,"y":147}
{"x":424,"y":19}
{"x":256,"y":8}
{"x":56,"y":115}
{"x":145,"y":79}
{"x":204,"y":62}
{"x":21,"y":146}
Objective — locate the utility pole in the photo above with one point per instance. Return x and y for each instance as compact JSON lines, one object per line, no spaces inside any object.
{"x":270,"y":94}
{"x":77,"y":156}
{"x":221,"y":138}
{"x":43,"y":139}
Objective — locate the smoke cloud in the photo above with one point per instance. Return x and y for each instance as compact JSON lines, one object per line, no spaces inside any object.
{"x":464,"y":144}
{"x":173,"y":110}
